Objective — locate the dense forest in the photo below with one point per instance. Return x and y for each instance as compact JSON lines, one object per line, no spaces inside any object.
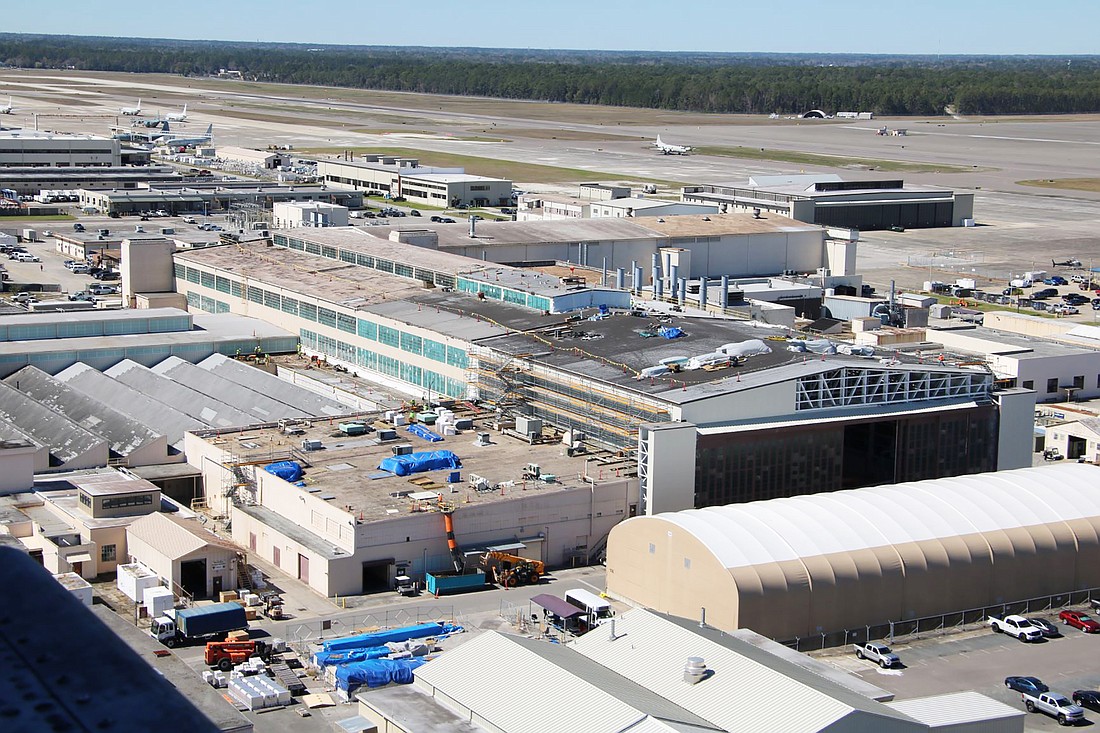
{"x":701,"y":82}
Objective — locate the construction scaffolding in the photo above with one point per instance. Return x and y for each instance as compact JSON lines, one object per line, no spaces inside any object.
{"x":605,"y":414}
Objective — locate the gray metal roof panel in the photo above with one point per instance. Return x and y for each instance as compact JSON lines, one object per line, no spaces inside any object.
{"x":261,"y":407}
{"x":271,"y":385}
{"x":66,"y":440}
{"x":214,"y":413}
{"x":123,"y":433}
{"x":145,"y":408}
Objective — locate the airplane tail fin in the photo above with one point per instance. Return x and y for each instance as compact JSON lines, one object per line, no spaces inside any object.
{"x":659,"y":143}
{"x":164,"y":126}
{"x":210,"y":129}
{"x":1053,"y":263}
{"x":185,"y":107}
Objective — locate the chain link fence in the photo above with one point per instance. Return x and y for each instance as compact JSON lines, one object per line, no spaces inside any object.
{"x":939,"y":625}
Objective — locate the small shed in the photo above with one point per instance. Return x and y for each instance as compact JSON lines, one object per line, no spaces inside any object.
{"x":195,"y":560}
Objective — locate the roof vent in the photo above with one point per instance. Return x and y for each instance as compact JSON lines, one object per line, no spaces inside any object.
{"x":695,"y":670}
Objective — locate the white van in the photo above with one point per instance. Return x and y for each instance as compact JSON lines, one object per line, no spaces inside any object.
{"x":597,"y":608}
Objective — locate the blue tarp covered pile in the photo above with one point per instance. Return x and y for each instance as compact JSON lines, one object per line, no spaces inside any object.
{"x":378,"y":638}
{"x":670,"y":332}
{"x":418,"y":462}
{"x":327,"y":659}
{"x":422,"y":432}
{"x":376,"y":672}
{"x":286,"y":470}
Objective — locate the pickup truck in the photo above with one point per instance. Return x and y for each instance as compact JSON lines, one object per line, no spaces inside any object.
{"x":878,"y":653}
{"x":1054,"y":705}
{"x":1017,"y":626}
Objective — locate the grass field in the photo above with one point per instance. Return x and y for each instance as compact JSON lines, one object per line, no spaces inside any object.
{"x":494,"y":168}
{"x":829,"y":161}
{"x":34,"y":218}
{"x":1069,"y":184}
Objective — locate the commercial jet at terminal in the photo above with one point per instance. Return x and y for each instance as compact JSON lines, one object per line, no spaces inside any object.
{"x":177,"y":116}
{"x":667,"y":149}
{"x":132,"y":111}
{"x":7,"y":110}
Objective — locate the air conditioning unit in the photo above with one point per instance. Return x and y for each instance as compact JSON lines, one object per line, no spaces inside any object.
{"x":311,"y":445}
{"x":402,"y":450}
{"x":482,"y":439}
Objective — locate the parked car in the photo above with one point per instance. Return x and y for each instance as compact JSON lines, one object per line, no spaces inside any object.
{"x":78,"y":227}
{"x":1055,"y":705}
{"x":80,"y":269}
{"x":24,"y":297}
{"x":82,"y":295}
{"x":27,"y":257}
{"x":108,"y":275}
{"x":878,"y":653}
{"x":101,"y":289}
{"x":436,"y":219}
{"x":1026,"y":685}
{"x":1044,"y":294}
{"x":1087,"y":699}
{"x":1015,"y":625}
{"x":1079,"y":620}
{"x":1055,"y":280}
{"x":1045,"y":626}
{"x":1075,"y":299}
{"x":446,"y":220}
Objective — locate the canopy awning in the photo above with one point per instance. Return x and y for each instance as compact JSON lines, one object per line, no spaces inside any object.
{"x":557,"y":606}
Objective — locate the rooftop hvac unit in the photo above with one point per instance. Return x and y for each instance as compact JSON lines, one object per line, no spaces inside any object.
{"x":311,"y":445}
{"x":387,"y":434}
{"x":482,"y":439}
{"x":402,"y":450}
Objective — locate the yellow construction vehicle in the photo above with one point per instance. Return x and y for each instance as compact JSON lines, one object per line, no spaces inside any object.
{"x":511,"y":570}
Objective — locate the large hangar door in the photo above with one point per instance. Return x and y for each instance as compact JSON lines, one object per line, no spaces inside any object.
{"x":870,"y":454}
{"x":193,"y":577}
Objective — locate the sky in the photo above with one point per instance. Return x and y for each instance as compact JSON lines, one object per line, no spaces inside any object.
{"x":1056,"y":27}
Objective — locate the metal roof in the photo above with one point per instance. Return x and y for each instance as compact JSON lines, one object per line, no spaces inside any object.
{"x":501,"y":691}
{"x":188,"y":401}
{"x":175,"y":537}
{"x":272,"y":386}
{"x":652,"y":650}
{"x":778,"y":530}
{"x":142,"y":407}
{"x":956,"y":708}
{"x":261,"y":407}
{"x":124,"y":434}
{"x":66,"y":440}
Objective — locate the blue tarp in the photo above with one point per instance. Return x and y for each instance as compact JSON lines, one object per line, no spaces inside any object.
{"x":376,"y":672}
{"x":286,"y":470}
{"x":418,"y":462}
{"x":422,"y":432}
{"x":377,"y":638}
{"x":325,"y":659}
{"x":670,"y":332}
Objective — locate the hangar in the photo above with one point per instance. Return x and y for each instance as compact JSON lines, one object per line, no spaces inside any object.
{"x":817,"y":564}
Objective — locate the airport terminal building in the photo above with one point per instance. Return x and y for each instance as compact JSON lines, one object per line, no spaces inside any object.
{"x":831,"y":201}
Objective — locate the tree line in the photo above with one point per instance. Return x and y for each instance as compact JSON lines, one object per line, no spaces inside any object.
{"x":698,"y":82}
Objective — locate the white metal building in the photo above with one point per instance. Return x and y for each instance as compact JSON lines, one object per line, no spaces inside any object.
{"x":638,"y":207}
{"x":630,"y":676}
{"x":822,"y":563}
{"x":405,"y":177}
{"x":295,"y":214}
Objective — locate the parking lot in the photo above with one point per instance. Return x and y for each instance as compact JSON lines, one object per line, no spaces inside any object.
{"x":980,"y":660}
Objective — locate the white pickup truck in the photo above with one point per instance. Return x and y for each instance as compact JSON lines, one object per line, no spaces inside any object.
{"x":878,"y":653}
{"x":1017,"y":626}
{"x":1054,"y":705}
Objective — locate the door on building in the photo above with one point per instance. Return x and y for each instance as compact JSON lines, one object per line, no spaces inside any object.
{"x":276,"y":556}
{"x":252,"y":541}
{"x":1076,"y":447}
{"x":303,"y":569}
{"x":216,"y":585}
{"x":376,"y":576}
{"x":193,"y":577}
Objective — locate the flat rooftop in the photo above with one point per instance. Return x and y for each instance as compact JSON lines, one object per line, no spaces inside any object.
{"x":320,"y":277}
{"x":613,"y":350}
{"x":23,"y":134}
{"x":341,"y":471}
{"x":111,"y":484}
{"x":714,"y":225}
{"x":1008,"y":343}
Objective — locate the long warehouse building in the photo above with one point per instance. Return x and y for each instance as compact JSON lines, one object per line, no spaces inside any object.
{"x":818,"y":564}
